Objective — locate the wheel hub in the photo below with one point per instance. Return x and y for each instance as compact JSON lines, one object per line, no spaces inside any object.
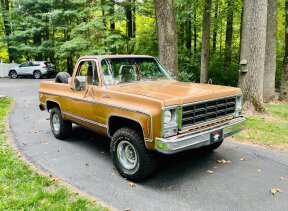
{"x":127,"y":155}
{"x":56,"y":123}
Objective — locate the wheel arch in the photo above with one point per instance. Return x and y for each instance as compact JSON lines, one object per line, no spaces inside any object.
{"x":11,"y":71}
{"x":113,"y":124}
{"x":51,"y":104}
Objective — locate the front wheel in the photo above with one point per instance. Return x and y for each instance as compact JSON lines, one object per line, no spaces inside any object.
{"x":13,"y":74}
{"x":212,"y":147}
{"x":130,"y":155}
{"x":61,"y":129}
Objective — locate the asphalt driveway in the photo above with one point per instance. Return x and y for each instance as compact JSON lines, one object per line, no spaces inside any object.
{"x":181,"y":183}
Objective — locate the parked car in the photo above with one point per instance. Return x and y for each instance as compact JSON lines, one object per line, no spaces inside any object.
{"x":134,"y":101}
{"x":38,"y":69}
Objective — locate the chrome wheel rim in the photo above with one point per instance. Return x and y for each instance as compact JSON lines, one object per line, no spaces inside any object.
{"x":37,"y":75}
{"x":56,"y":123}
{"x":14,"y":75}
{"x":127,"y":155}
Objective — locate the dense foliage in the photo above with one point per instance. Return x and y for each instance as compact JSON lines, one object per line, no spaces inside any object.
{"x":59,"y":29}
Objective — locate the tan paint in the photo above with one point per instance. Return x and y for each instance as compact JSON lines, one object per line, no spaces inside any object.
{"x":138,"y":101}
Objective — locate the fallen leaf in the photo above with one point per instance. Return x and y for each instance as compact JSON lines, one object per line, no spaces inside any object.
{"x":86,"y":164}
{"x":210,"y":171}
{"x":242,"y":159}
{"x":223,"y":161}
{"x":274,"y":191}
{"x":259,"y":170}
{"x":132,"y":184}
{"x":281,"y":178}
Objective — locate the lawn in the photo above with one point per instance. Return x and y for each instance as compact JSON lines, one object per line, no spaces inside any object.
{"x":270,"y":130}
{"x":21,"y":188}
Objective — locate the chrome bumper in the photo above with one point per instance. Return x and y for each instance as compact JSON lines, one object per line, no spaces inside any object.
{"x":195,"y":140}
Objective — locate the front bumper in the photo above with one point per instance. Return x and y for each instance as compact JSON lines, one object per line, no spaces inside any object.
{"x":196,"y":140}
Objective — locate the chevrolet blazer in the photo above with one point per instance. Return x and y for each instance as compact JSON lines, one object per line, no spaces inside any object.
{"x":134,"y":101}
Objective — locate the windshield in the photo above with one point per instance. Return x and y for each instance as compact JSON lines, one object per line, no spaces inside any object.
{"x":124,"y":70}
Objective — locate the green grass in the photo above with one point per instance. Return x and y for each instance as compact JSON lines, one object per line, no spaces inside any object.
{"x":21,"y":188}
{"x":271,"y":131}
{"x":280,"y":111}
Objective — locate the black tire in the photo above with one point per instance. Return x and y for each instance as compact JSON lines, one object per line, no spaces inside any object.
{"x":37,"y":74}
{"x":212,"y":147}
{"x":62,"y":77}
{"x":65,"y":127}
{"x":146,"y":161}
{"x":13,"y":74}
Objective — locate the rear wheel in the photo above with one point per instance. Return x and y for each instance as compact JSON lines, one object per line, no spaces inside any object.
{"x":130,"y":155}
{"x":13,"y":74}
{"x":61,"y":129}
{"x":37,"y":74}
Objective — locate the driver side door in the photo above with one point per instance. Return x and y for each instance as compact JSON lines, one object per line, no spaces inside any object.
{"x":84,"y":103}
{"x":22,"y":70}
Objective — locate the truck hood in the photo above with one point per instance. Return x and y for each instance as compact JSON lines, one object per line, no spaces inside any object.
{"x":173,"y":92}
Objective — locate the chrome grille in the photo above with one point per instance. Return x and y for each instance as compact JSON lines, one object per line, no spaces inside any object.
{"x":206,"y":111}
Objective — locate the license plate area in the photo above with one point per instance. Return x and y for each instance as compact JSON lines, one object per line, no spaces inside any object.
{"x":216,"y":136}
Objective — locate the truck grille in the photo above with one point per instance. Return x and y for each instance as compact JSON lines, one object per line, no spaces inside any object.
{"x":207,"y":111}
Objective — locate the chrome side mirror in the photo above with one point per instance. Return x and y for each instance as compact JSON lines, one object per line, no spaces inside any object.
{"x":80,"y":83}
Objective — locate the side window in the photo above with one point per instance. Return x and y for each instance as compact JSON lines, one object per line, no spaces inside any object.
{"x":25,"y":64}
{"x":88,"y":69}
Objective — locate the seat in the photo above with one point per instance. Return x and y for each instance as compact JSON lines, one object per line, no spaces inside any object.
{"x":89,"y":74}
{"x":127,"y":73}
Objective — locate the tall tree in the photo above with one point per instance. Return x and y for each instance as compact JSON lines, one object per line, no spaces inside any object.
{"x":284,"y":71}
{"x":229,"y":34}
{"x":189,"y":34}
{"x":112,"y":13}
{"x":167,"y":34}
{"x":252,"y":58}
{"x":215,"y":28}
{"x":5,"y":6}
{"x":205,"y":42}
{"x":270,"y":58}
{"x":129,"y":19}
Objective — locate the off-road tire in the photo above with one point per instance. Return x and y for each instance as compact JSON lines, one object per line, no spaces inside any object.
{"x":62,"y":77}
{"x":212,"y":147}
{"x":37,"y":74}
{"x":146,"y":164}
{"x":12,"y":74}
{"x":65,"y":126}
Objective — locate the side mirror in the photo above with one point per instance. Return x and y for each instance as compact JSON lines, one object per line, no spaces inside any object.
{"x":80,"y":83}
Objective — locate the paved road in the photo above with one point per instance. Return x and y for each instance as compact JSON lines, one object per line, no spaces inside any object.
{"x":181,"y":183}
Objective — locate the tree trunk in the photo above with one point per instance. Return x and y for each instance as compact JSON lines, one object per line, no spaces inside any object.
{"x":252,"y":58}
{"x":205,"y":42}
{"x":195,"y":33}
{"x":215,"y":27}
{"x":103,"y":12}
{"x":270,"y":57}
{"x":129,"y":19}
{"x":284,"y":71}
{"x":167,"y":34}
{"x":112,"y":13}
{"x":134,"y":19}
{"x":229,"y":35}
{"x":7,"y":28}
{"x":189,"y":35}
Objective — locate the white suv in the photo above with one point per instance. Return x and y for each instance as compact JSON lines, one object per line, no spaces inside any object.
{"x":38,"y":69}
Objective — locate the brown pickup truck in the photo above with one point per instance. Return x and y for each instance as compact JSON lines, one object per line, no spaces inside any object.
{"x":134,"y":101}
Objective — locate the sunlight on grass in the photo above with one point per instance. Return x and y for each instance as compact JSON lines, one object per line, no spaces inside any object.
{"x":23,"y":189}
{"x":278,"y":110}
{"x":268,"y":131}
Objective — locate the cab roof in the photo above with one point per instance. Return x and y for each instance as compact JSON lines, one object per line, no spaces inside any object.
{"x":115,"y":56}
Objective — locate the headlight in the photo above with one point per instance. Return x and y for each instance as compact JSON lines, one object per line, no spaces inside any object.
{"x":239,"y":105}
{"x":167,"y":116}
{"x":170,"y":122}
